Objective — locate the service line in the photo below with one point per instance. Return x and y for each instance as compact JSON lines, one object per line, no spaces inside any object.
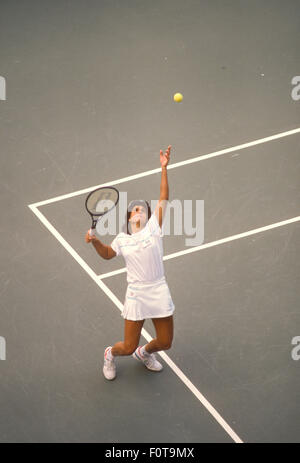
{"x":211,"y":244}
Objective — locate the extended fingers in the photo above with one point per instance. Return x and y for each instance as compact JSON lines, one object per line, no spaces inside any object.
{"x":168,"y":150}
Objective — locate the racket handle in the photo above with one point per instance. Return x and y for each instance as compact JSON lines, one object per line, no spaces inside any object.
{"x":92,"y":231}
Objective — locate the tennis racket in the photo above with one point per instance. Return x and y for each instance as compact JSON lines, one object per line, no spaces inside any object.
{"x":99,"y":202}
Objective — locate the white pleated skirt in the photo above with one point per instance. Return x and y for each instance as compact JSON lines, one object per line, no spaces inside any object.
{"x":148,"y":300}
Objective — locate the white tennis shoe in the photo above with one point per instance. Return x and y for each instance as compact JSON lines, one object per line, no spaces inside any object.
{"x":148,"y":360}
{"x":109,"y":368}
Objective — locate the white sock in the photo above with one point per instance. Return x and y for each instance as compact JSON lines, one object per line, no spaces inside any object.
{"x":144,"y":352}
{"x":109,"y":354}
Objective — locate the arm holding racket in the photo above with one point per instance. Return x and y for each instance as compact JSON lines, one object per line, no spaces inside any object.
{"x":106,"y":252}
{"x":98,"y":203}
{"x":164,"y":186}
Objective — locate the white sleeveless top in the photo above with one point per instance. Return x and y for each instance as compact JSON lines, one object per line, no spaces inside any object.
{"x":143,"y":252}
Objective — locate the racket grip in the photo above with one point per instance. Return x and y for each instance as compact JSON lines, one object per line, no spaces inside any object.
{"x":92,"y":231}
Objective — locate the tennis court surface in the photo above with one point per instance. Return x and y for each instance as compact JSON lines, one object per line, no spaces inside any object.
{"x":89,"y":102}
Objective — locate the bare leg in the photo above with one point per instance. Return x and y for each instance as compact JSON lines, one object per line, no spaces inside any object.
{"x":132,"y":334}
{"x":164,"y":335}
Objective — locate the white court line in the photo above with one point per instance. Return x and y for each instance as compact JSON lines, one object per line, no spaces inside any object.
{"x":211,"y":244}
{"x":145,"y":334}
{"x":170,"y":166}
{"x":111,"y":295}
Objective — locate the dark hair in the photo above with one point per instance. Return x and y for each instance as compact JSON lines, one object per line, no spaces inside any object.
{"x":132,"y":204}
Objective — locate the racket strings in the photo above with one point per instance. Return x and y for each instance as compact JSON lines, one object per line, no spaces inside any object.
{"x":101,"y":201}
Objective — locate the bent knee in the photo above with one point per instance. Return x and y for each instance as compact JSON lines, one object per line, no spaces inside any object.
{"x":166,"y":345}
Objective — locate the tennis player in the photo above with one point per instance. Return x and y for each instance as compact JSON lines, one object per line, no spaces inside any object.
{"x":147,"y":294}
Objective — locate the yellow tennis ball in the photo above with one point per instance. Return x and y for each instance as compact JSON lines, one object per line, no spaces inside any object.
{"x":178,"y":97}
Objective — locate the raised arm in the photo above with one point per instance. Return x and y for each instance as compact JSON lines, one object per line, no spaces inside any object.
{"x":106,"y":252}
{"x":164,"y":186}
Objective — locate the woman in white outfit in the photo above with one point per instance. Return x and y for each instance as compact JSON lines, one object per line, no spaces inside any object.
{"x":147,"y":294}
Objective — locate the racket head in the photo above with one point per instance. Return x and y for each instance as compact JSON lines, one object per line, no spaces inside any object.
{"x":99,"y":202}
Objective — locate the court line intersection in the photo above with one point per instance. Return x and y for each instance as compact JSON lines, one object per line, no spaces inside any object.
{"x":98,"y":278}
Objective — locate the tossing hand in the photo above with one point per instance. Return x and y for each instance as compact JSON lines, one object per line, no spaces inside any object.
{"x":165,"y":157}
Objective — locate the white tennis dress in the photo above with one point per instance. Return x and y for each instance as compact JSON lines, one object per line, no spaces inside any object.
{"x":148,"y":294}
